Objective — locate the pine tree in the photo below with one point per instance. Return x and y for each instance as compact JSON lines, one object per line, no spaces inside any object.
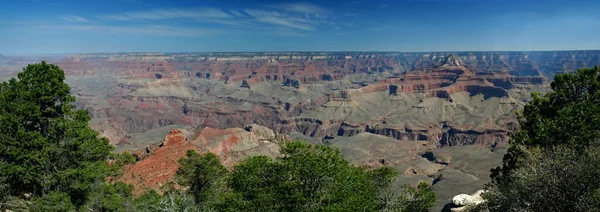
{"x":47,"y":146}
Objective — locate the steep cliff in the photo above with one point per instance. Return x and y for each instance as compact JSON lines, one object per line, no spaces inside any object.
{"x":401,"y":95}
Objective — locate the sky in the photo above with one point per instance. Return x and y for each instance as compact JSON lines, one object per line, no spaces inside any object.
{"x":82,"y":26}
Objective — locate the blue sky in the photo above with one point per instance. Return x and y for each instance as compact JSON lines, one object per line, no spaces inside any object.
{"x":72,"y":26}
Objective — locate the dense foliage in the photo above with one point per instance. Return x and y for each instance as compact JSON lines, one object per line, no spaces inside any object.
{"x":553,"y":161}
{"x":307,"y":178}
{"x":49,"y":152}
{"x":51,"y":160}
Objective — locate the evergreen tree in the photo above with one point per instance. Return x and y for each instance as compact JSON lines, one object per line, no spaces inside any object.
{"x":48,"y":148}
{"x":552,"y":163}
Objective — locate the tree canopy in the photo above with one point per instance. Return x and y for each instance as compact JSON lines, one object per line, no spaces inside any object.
{"x":47,"y":149}
{"x":307,"y":178}
{"x":552,"y":164}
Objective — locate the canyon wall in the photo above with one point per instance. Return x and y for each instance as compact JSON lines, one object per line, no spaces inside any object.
{"x":406,"y":96}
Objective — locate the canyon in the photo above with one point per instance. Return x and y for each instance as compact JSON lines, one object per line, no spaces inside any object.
{"x":443,"y":98}
{"x":439,"y":117}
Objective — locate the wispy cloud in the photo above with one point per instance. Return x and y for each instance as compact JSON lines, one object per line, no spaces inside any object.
{"x":285,"y":19}
{"x":74,"y":19}
{"x":302,"y":8}
{"x":237,"y":13}
{"x":138,"y":30}
{"x":167,"y":14}
{"x":292,"y":23}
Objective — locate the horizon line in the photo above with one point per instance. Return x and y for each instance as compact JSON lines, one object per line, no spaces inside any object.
{"x":208,"y":52}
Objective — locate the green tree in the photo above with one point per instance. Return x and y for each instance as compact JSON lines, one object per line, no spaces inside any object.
{"x":418,"y":198}
{"x":148,"y":201}
{"x":408,"y":199}
{"x":314,"y":178}
{"x":49,"y":149}
{"x":258,"y":179}
{"x":552,"y":158}
{"x":53,"y":202}
{"x":110,"y":197}
{"x":550,"y":179}
{"x":307,"y":178}
{"x":119,"y":160}
{"x":568,"y":115}
{"x":205,"y":177}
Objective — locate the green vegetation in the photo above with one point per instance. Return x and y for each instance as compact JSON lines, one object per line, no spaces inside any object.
{"x":307,"y":178}
{"x":51,"y":160}
{"x":554,"y":158}
{"x":50,"y":153}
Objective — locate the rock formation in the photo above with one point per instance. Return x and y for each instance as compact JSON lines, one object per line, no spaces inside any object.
{"x":465,"y":201}
{"x":161,"y":164}
{"x":158,"y":164}
{"x":315,"y":93}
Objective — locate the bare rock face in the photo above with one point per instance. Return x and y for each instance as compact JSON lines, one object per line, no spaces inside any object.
{"x":174,"y":137}
{"x":463,"y":201}
{"x":452,"y":60}
{"x":267,"y":134}
{"x":234,"y":144}
{"x":158,"y":166}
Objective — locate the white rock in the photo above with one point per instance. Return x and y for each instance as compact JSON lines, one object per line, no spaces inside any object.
{"x":461,"y":209}
{"x":462,"y":199}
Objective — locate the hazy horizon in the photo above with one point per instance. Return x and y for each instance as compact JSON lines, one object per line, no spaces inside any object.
{"x":70,"y":53}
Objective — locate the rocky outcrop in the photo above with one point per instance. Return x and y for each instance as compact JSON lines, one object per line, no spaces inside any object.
{"x":234,"y":144}
{"x":401,"y":134}
{"x":464,"y":202}
{"x":158,"y":163}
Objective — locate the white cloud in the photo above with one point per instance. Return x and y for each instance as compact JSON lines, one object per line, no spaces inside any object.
{"x":74,"y":19}
{"x":285,"y":22}
{"x":290,"y":19}
{"x":303,"y":8}
{"x":282,"y":19}
{"x":141,"y":30}
{"x":237,"y":13}
{"x":262,"y":13}
{"x":167,"y":14}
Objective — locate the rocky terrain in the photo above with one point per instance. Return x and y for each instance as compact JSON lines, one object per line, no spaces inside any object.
{"x":157,"y":164}
{"x":441,"y":117}
{"x":443,"y":98}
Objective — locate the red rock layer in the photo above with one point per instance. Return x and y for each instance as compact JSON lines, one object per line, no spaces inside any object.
{"x":160,"y":166}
